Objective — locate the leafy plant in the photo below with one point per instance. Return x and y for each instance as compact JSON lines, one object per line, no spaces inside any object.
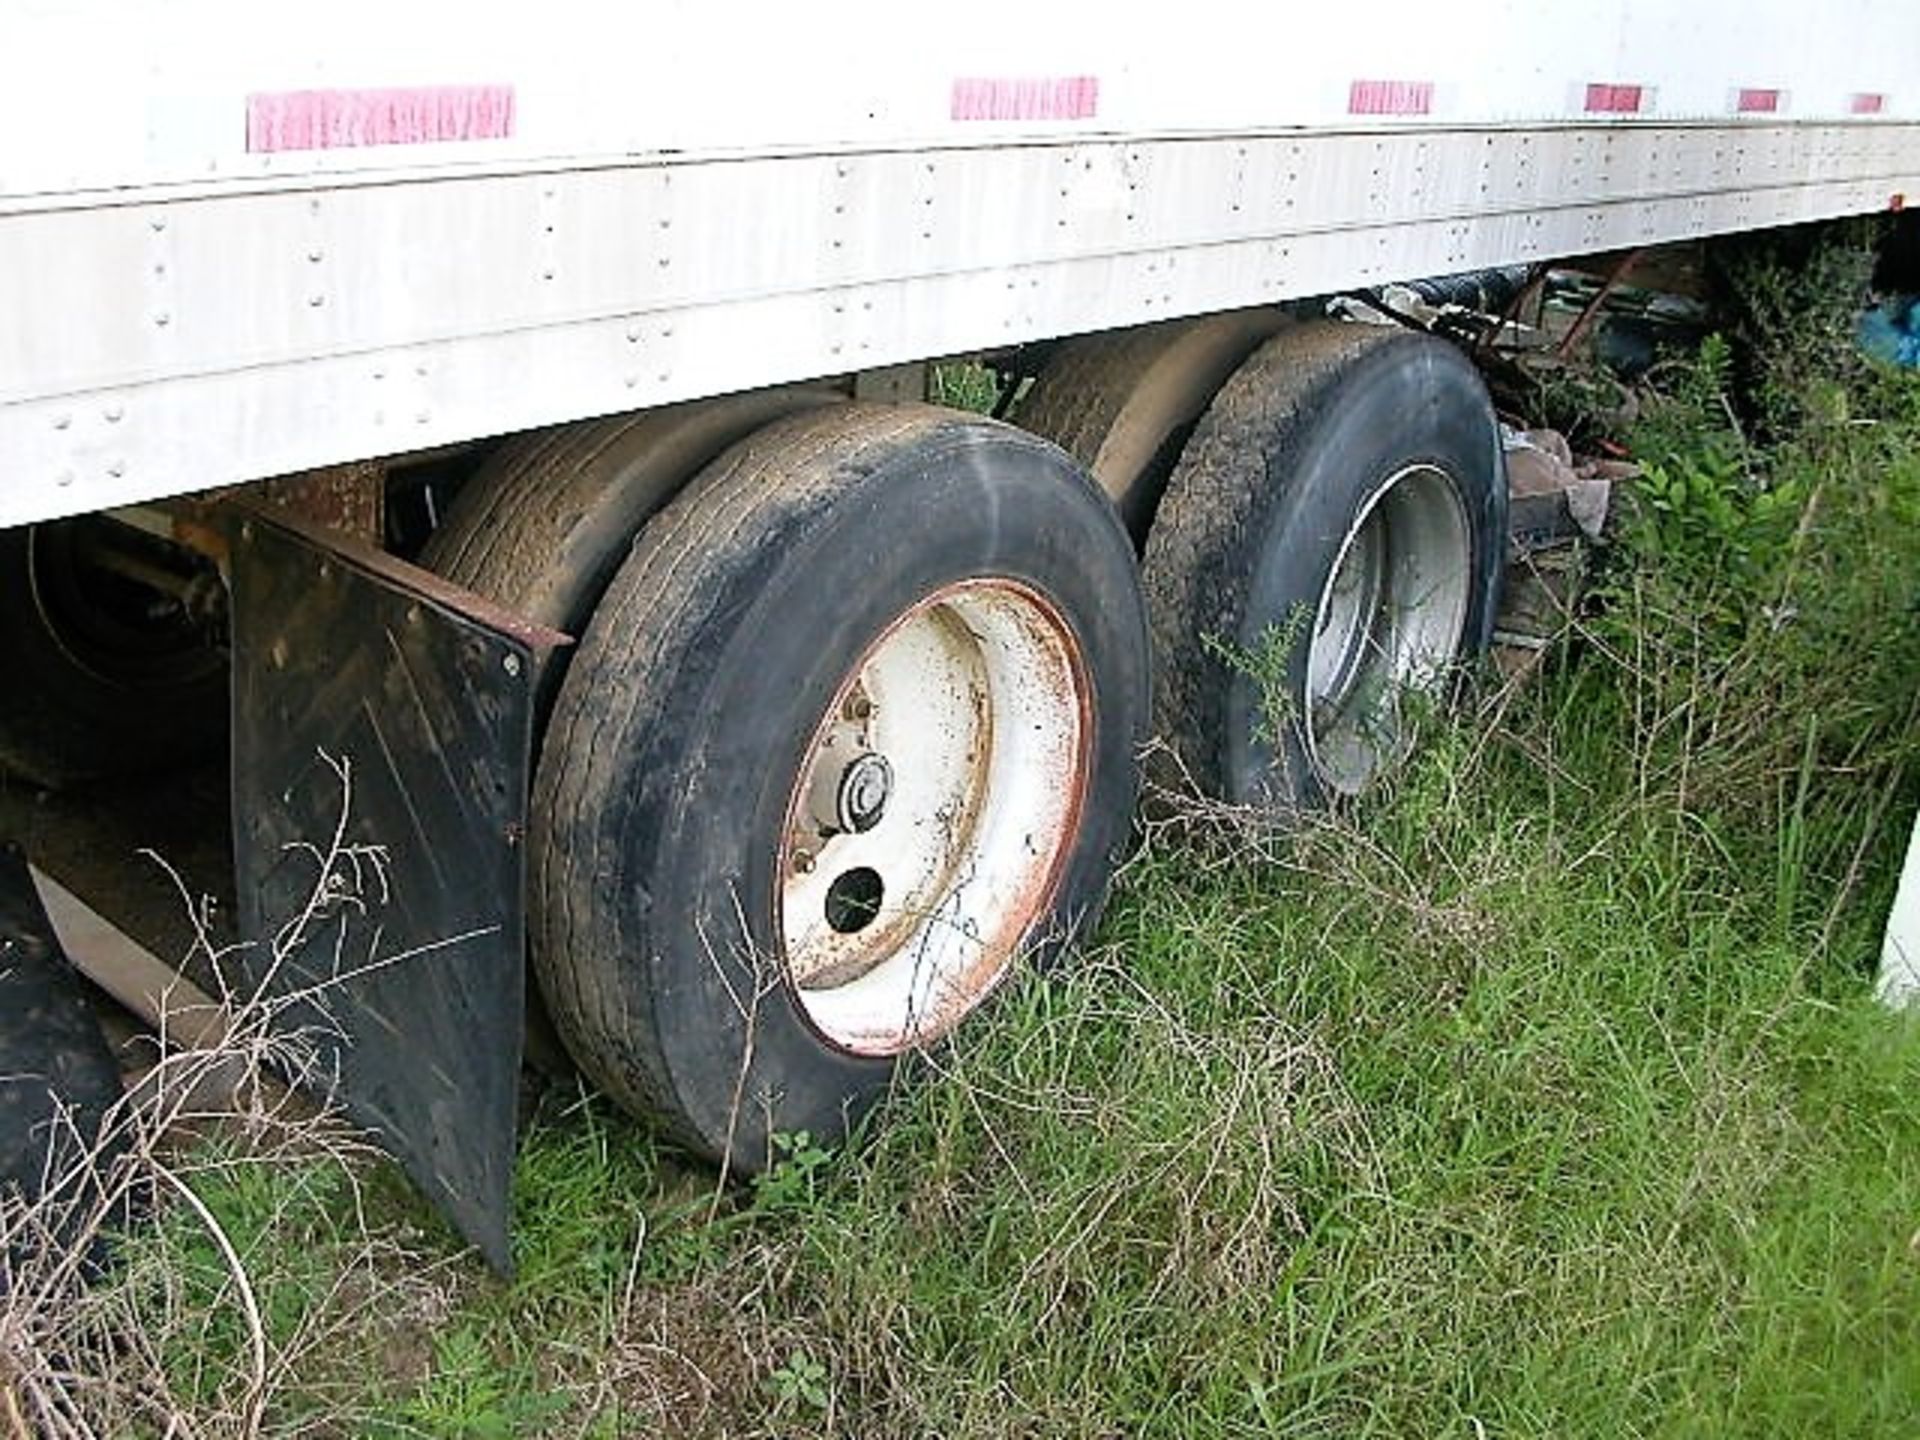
{"x":793,"y":1181}
{"x":964,"y":385}
{"x":801,"y":1383}
{"x":1267,"y":665}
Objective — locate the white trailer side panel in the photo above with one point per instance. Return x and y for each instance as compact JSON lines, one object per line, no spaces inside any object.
{"x":111,"y":93}
{"x":231,"y":249}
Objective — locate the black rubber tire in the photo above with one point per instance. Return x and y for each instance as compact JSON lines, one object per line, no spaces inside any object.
{"x":1292,"y":448}
{"x":1123,"y":402}
{"x":88,"y":700}
{"x":545,"y":523}
{"x":684,"y":718}
{"x":58,"y":1083}
{"x":547,"y":520}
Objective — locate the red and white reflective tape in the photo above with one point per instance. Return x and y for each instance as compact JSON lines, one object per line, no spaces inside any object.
{"x":348,"y":119}
{"x":1604,"y":98}
{"x":1758,"y":102}
{"x":1390,"y":97}
{"x":1867,"y":104}
{"x":1066,"y":97}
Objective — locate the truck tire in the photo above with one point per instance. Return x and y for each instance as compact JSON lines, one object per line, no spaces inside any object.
{"x":547,"y":520}
{"x":104,"y":675}
{"x":1123,"y":402}
{"x":1329,"y":547}
{"x":853,"y":728}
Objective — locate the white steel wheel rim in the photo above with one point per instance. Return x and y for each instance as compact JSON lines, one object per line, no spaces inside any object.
{"x":1388,"y":623}
{"x":976,"y":704}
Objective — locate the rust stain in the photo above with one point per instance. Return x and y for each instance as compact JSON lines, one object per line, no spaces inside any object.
{"x":344,"y":500}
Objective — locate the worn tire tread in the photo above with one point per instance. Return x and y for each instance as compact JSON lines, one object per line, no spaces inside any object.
{"x":640,"y":643}
{"x":1164,"y":374}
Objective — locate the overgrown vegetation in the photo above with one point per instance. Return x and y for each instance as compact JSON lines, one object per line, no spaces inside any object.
{"x":1542,"y":1094}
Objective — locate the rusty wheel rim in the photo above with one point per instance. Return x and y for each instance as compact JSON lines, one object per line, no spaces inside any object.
{"x":933,"y":813}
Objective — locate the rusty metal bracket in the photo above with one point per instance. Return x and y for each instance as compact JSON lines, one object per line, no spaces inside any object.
{"x":382,"y":743}
{"x":1617,"y":271}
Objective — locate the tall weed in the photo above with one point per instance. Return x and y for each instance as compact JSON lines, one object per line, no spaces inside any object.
{"x":1758,"y":618}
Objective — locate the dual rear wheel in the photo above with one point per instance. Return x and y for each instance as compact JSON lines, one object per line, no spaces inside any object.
{"x":1328,"y":551}
{"x":852,"y":729}
{"x":853,"y":723}
{"x":1321,"y":511}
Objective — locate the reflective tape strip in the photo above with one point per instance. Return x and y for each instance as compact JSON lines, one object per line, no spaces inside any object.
{"x":1070,"y":97}
{"x":1390,"y":97}
{"x":348,"y":119}
{"x":1612,"y":99}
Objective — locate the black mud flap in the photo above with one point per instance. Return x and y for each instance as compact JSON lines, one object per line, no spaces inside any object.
{"x":57,"y":1079}
{"x":382,"y":733}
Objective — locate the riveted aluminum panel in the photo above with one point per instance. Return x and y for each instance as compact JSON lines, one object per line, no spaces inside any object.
{"x":288,"y":329}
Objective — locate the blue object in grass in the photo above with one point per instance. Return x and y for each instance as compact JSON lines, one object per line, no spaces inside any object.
{"x":1890,"y":331}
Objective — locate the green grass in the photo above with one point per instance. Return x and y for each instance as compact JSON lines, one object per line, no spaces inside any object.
{"x":1541,"y":1095}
